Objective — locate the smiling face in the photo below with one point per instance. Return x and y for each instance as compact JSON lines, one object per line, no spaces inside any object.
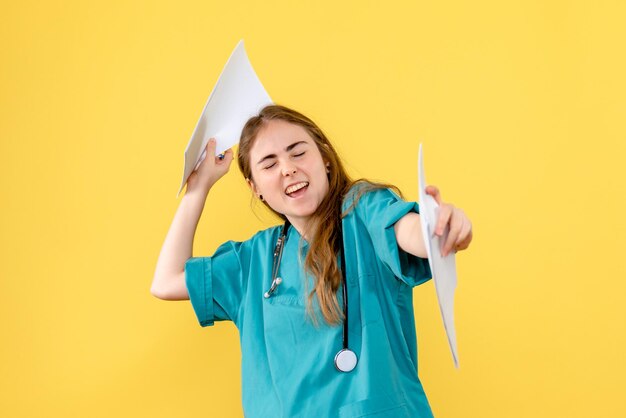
{"x":288,"y":170}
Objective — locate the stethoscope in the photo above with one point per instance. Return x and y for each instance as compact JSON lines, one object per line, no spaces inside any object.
{"x":345,"y":359}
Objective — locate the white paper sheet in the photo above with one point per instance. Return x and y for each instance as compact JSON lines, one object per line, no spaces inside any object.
{"x":442,"y":268}
{"x":237,"y":95}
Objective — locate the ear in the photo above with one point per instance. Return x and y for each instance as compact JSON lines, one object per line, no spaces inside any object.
{"x":253,"y":188}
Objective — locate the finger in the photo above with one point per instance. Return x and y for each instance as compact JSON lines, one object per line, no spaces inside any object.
{"x":211,"y":145}
{"x":209,"y":152}
{"x":456,"y":224}
{"x":434,"y":192}
{"x":465,"y":237}
{"x":445,"y":211}
{"x":466,"y":224}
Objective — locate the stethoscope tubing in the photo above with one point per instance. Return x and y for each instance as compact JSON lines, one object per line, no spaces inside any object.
{"x":277,"y":257}
{"x":345,"y":289}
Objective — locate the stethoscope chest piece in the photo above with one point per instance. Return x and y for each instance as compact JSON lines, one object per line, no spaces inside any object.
{"x":345,"y":360}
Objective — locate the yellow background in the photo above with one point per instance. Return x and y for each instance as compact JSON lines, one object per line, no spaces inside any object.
{"x":520,"y":106}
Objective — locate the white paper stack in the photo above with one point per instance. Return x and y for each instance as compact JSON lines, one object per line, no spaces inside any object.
{"x":442,"y":268}
{"x":237,"y":96}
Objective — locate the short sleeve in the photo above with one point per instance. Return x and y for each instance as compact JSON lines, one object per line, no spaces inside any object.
{"x":380,"y":209}
{"x":214,"y":284}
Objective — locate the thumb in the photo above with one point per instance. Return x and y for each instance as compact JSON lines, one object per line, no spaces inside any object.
{"x":434,"y":192}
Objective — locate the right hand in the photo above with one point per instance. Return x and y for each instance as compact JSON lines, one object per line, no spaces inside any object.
{"x":211,"y":169}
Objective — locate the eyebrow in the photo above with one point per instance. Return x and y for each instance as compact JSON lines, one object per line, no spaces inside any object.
{"x":287,"y":149}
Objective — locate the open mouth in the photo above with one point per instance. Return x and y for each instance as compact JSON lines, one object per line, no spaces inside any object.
{"x":297,"y":189}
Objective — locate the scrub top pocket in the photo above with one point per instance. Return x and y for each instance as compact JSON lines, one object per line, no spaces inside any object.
{"x":388,"y":406}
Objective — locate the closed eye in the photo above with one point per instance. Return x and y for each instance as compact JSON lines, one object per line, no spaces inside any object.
{"x":299,"y":155}
{"x":269,"y":166}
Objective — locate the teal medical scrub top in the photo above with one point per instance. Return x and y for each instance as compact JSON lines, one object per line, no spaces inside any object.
{"x":287,"y":361}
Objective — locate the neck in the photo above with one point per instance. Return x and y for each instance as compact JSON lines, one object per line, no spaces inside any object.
{"x":301,"y":227}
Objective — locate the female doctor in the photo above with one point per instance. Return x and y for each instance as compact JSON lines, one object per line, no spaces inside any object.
{"x":323,"y":302}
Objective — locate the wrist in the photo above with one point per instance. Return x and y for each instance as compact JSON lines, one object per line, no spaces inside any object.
{"x":197,"y":193}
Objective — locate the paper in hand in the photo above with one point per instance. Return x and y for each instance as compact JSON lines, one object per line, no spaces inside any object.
{"x":237,"y":96}
{"x":443,"y":269}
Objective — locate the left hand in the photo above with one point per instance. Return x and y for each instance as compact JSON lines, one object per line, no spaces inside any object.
{"x":460,"y":234}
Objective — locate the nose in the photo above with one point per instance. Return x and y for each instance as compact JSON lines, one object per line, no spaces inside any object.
{"x":288,"y":169}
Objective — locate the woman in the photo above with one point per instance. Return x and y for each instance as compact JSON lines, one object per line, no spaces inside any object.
{"x":305,"y":352}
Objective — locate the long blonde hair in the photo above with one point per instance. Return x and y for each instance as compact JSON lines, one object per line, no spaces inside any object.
{"x":324,"y":225}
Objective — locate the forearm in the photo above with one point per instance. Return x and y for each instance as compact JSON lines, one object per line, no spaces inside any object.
{"x":168,"y":282}
{"x":409,"y":235}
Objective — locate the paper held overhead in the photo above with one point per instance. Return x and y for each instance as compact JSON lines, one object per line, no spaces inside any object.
{"x":442,"y":268}
{"x":237,"y":96}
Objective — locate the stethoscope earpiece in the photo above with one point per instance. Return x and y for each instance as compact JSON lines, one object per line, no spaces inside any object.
{"x":275,"y":284}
